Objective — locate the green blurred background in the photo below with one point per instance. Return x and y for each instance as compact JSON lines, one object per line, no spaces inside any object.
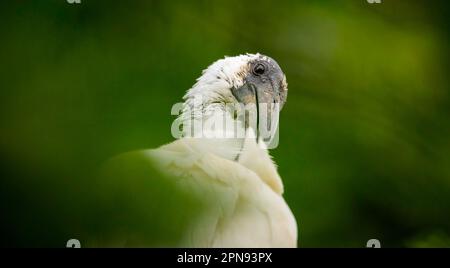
{"x":364,"y":137}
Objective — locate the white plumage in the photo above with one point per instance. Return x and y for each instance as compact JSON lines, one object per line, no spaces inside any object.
{"x":235,"y":176}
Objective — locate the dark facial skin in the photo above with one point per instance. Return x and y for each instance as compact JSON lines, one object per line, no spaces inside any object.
{"x":268,"y":78}
{"x":264,"y":84}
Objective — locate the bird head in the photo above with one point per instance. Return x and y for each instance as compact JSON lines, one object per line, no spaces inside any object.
{"x":253,"y":82}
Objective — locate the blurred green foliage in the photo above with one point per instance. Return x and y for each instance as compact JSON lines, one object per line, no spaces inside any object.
{"x":364,"y":138}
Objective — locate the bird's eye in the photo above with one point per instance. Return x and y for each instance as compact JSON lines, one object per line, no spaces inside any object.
{"x":259,"y":69}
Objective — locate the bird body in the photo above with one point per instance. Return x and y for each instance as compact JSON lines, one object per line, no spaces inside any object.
{"x":233,"y":175}
{"x":245,"y":203}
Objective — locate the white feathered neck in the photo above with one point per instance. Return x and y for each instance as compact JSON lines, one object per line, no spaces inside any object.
{"x":212,"y":91}
{"x":206,"y":100}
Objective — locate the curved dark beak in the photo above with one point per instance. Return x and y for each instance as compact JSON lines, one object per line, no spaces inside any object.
{"x":261,"y":108}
